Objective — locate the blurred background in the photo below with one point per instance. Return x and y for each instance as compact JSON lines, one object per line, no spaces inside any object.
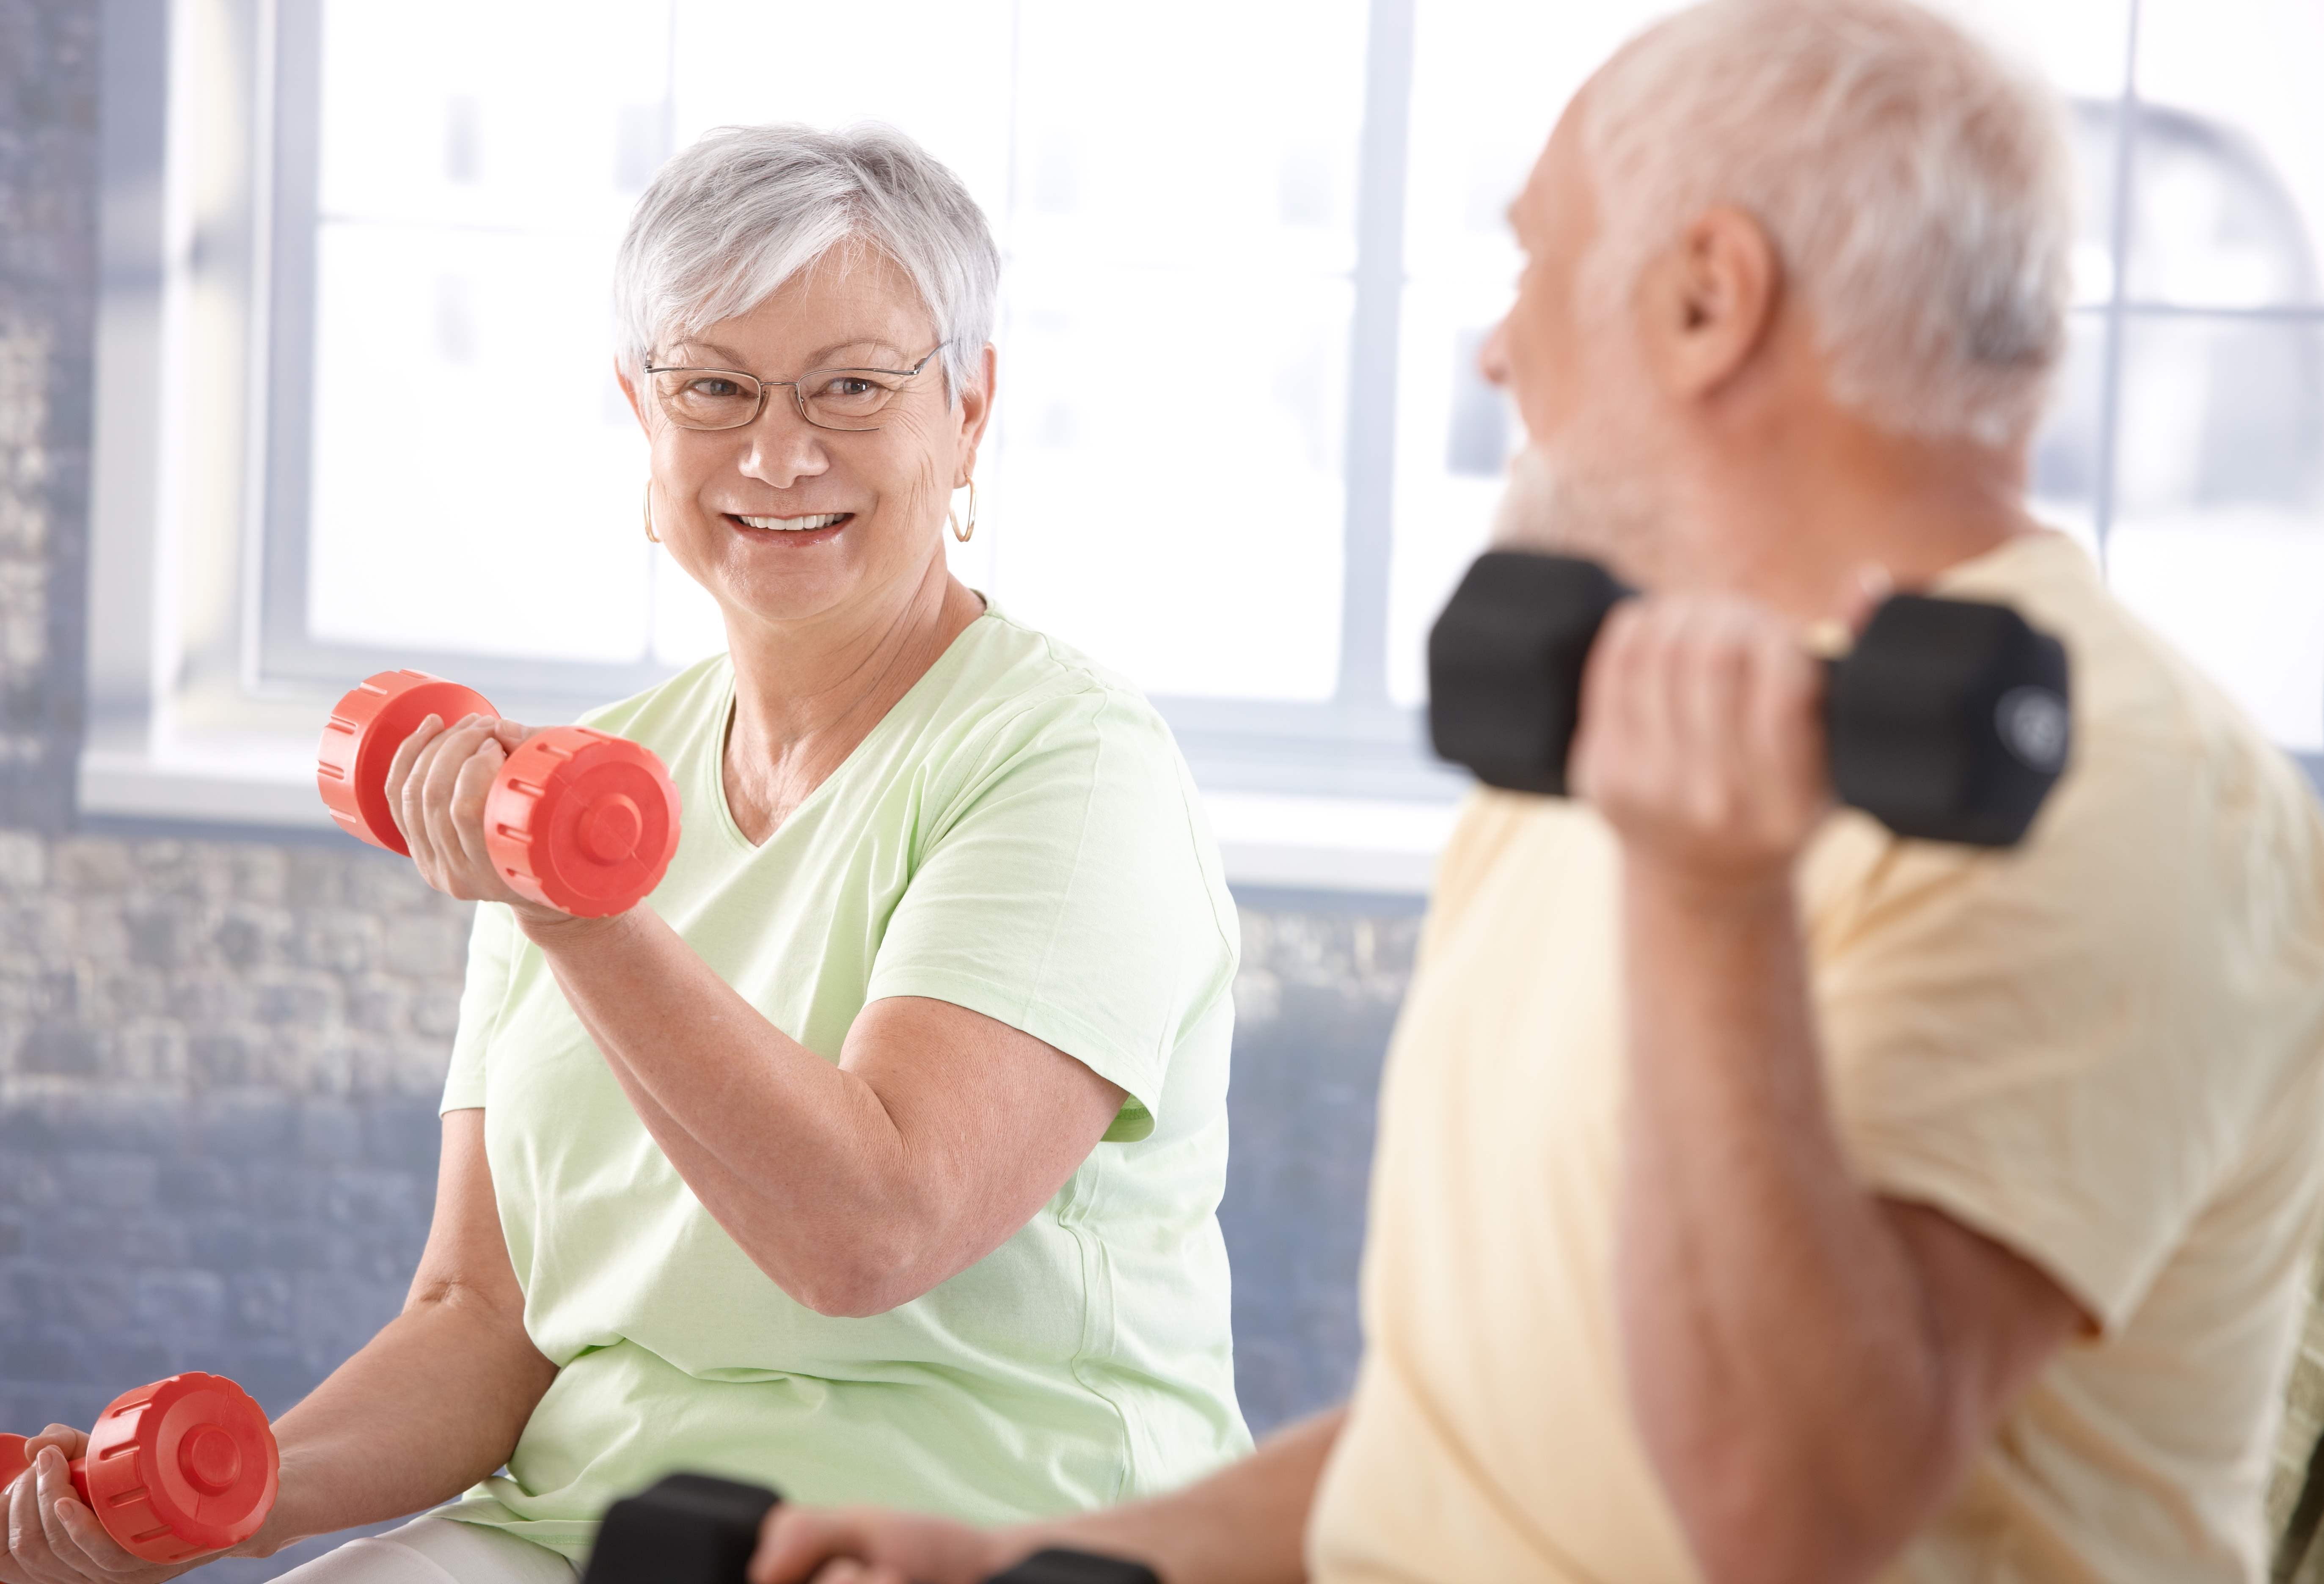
{"x":270,"y":270}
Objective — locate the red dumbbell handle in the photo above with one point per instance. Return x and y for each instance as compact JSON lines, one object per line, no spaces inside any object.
{"x":579,"y":819}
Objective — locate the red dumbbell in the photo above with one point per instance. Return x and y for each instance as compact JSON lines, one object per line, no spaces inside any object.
{"x":579,"y":819}
{"x":174,"y":1470}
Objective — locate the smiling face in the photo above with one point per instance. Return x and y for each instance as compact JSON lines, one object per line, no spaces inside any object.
{"x":784,"y":521}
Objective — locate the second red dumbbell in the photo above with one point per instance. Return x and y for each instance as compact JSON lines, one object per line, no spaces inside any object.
{"x":577,"y":818}
{"x":174,"y":1470}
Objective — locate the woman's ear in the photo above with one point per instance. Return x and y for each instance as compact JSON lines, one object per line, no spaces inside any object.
{"x":1709,"y":303}
{"x":976,"y":413}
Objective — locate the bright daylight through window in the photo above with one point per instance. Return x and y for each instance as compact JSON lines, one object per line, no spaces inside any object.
{"x":1242,"y":448}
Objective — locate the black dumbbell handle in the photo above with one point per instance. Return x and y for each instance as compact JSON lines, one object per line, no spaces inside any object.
{"x":1947,"y":720}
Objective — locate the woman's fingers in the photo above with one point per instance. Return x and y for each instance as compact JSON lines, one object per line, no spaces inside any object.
{"x":53,"y":1479}
{"x":27,"y":1547}
{"x":470,"y":788}
{"x":437,"y":777}
{"x":399,"y":771}
{"x":95,"y":1553}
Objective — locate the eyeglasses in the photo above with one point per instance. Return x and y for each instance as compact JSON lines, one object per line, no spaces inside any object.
{"x":829,"y":399}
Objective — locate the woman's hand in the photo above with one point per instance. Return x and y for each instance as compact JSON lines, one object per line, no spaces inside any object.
{"x":52,"y":1536}
{"x":435,"y":789}
{"x":864,"y":1545}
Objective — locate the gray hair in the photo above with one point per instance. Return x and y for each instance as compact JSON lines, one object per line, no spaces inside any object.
{"x":1917,"y":188}
{"x":725,"y":223}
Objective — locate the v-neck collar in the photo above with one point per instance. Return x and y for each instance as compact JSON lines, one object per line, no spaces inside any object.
{"x":712,"y":787}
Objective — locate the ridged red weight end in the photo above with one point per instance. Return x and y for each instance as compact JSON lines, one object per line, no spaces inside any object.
{"x":12,"y":1460}
{"x":360,"y":741}
{"x":182,"y":1468}
{"x":583,"y":821}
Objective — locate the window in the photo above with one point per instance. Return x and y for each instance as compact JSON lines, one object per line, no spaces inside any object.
{"x":1242,"y":450}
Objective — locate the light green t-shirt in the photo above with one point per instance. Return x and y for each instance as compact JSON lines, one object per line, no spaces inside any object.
{"x":1017,"y":836}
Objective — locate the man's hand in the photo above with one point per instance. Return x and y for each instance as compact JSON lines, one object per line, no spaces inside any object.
{"x":1701,"y":738}
{"x":52,"y":1536}
{"x":864,"y":1545}
{"x":435,"y":789}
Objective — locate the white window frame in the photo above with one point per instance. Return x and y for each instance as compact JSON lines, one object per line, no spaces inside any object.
{"x":204,"y":692}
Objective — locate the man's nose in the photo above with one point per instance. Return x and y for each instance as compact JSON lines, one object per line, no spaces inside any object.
{"x":1493,"y":356}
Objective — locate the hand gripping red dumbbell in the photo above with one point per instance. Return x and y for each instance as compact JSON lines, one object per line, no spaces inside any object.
{"x":174,"y":1470}
{"x":577,"y":818}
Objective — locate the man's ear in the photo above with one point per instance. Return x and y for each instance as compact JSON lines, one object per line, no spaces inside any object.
{"x":1709,"y":303}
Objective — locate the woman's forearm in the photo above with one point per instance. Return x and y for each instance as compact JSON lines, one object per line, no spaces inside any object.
{"x":797,"y":1158}
{"x":431,"y":1404}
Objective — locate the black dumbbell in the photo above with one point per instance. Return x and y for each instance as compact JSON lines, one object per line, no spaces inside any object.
{"x":1947,"y":718}
{"x":694,"y":1529}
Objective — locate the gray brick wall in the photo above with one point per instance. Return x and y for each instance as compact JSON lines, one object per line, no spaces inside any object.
{"x":48,"y":253}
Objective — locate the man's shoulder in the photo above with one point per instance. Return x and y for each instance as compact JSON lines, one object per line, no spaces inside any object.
{"x":2144,"y":714}
{"x":2177,"y":865}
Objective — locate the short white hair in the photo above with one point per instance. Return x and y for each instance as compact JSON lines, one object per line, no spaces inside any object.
{"x":1917,"y":188}
{"x":725,"y":223}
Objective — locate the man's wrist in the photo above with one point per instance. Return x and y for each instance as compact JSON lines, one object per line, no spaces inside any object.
{"x":1744,"y":895}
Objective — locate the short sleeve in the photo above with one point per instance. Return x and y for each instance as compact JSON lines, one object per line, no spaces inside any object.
{"x":2043,"y":1044}
{"x":483,"y":994}
{"x":1071,"y":890}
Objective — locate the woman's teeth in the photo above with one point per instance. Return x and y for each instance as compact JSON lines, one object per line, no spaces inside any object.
{"x":792,"y":524}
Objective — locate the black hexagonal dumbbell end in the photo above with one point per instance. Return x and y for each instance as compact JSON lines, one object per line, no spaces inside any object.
{"x":1949,"y":719}
{"x":1505,"y":663}
{"x":685,"y":1529}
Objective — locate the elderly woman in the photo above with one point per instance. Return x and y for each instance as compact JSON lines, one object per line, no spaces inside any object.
{"x":875,"y":1156}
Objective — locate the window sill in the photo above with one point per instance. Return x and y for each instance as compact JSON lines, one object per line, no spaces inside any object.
{"x":1347,"y":844}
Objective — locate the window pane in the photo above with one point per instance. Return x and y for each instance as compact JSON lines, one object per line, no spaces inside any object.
{"x":1167,"y":491}
{"x":2063,"y":489}
{"x":475,"y":475}
{"x":2230,"y":161}
{"x":1490,"y":80}
{"x":475,"y":489}
{"x":2218,"y":538}
{"x":1179,"y":222}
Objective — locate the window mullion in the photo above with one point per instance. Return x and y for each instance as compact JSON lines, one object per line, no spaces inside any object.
{"x":1368,"y":466}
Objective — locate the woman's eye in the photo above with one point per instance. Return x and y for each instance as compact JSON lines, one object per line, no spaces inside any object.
{"x":713,"y":389}
{"x":850,"y":385}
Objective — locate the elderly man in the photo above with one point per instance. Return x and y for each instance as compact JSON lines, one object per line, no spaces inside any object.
{"x":1761,"y":1196}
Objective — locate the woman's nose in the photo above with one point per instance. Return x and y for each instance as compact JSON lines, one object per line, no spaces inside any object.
{"x":784,"y":446}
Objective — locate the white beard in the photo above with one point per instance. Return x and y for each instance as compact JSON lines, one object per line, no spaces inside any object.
{"x":1595,"y":490}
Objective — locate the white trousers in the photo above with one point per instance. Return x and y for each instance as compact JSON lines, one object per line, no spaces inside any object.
{"x":436,"y":1551}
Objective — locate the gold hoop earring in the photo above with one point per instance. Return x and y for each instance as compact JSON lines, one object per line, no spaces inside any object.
{"x":965,"y":534}
{"x":651,"y":534}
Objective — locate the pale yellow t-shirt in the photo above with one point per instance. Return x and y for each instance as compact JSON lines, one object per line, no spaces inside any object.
{"x":2103,"y":1050}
